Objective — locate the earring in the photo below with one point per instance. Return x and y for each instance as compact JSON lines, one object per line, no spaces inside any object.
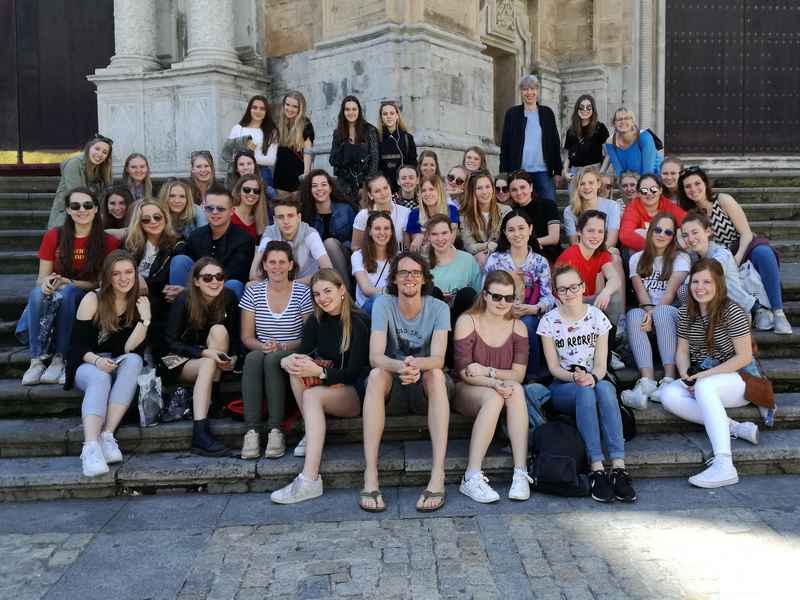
{"x":342,"y":297}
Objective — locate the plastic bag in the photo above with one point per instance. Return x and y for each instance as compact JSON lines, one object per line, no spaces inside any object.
{"x":178,"y":406}
{"x":752,"y":283}
{"x":150,"y":403}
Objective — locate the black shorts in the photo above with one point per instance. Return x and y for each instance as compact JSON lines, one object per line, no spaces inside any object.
{"x":404,"y":399}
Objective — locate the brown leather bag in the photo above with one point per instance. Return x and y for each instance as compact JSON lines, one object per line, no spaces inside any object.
{"x":758,"y":390}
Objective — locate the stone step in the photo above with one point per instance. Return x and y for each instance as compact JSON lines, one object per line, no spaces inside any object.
{"x":400,"y":463}
{"x":764,"y":211}
{"x":768,"y":196}
{"x":16,"y":262}
{"x":21,"y":239}
{"x":32,"y":218}
{"x":17,"y":184}
{"x":756,"y":180}
{"x":22,"y":200}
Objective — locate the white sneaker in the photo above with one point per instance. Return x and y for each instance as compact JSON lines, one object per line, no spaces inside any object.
{"x":656,"y":395}
{"x":637,"y":397}
{"x":616,"y":362}
{"x":34,"y":373}
{"x":251,"y":448}
{"x":478,"y":489}
{"x":110,"y":448}
{"x":719,"y":474}
{"x":764,"y":320}
{"x":520,"y":486}
{"x":92,"y":460}
{"x":299,"y":490}
{"x":55,"y":371}
{"x":782,"y":325}
{"x":745,"y":431}
{"x":300,"y":449}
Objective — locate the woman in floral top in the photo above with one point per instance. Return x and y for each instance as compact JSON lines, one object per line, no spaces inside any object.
{"x":517,"y":253}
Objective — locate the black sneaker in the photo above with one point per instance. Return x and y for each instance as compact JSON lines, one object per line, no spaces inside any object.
{"x":621,"y":482}
{"x":601,"y":486}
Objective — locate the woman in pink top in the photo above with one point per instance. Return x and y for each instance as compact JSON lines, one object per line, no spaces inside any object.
{"x":638,"y":214}
{"x":491,"y":357}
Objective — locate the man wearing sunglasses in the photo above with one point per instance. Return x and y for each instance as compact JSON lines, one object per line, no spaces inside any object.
{"x":232,"y":246}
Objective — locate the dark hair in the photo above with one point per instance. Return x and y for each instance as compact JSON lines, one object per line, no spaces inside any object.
{"x":368,"y":250}
{"x":503,"y":245}
{"x":202,"y":313}
{"x":437,"y":219}
{"x":110,"y":222}
{"x":716,"y":308}
{"x":697,"y":215}
{"x":106,"y":317}
{"x":278,"y":246}
{"x":308,"y":205}
{"x":217,"y":189}
{"x":652,"y":176}
{"x":343,"y":125}
{"x":683,"y":200}
{"x":268,"y":127}
{"x":428,"y":154}
{"x":584,"y":219}
{"x":427,"y":286}
{"x":291,"y":201}
{"x":239,"y":154}
{"x":645,"y":266}
{"x":576,"y":128}
{"x":520,"y":174}
{"x":95,"y":246}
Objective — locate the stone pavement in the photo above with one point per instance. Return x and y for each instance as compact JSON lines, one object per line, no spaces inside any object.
{"x":676,"y":542}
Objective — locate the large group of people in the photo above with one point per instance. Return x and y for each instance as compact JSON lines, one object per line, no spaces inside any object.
{"x":390,"y":287}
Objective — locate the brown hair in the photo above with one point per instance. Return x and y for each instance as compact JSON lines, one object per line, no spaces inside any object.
{"x":429,"y":225}
{"x":500,"y":277}
{"x":332,"y":276}
{"x":260,"y":209}
{"x":106,"y":317}
{"x":645,"y":267}
{"x":428,"y":154}
{"x":473,"y":219}
{"x":98,"y":173}
{"x":368,"y":252}
{"x":95,"y":245}
{"x":427,"y":278}
{"x":477,"y":150}
{"x":136,"y":240}
{"x":126,"y":179}
{"x":718,"y":304}
{"x":202,"y":312}
{"x":278,"y":246}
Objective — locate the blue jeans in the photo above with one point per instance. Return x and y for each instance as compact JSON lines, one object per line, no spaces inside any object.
{"x":763,"y":259}
{"x":535,"y":370}
{"x":585,"y":403}
{"x":266,"y":177}
{"x":236,"y":286}
{"x":180,"y":268}
{"x":62,"y":324}
{"x":543,"y":185}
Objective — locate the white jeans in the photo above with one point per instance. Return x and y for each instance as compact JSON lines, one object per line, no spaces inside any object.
{"x":706,"y":403}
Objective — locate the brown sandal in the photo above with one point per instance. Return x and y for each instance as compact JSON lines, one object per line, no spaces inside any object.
{"x":373,"y":495}
{"x":429,"y":494}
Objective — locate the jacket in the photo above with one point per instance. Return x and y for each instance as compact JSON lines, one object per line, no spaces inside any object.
{"x":341,"y":228}
{"x":514,"y":139}
{"x":353,"y":163}
{"x":181,"y":339}
{"x":396,"y":150}
{"x":636,"y":217}
{"x":73,"y":174}
{"x":234,"y":250}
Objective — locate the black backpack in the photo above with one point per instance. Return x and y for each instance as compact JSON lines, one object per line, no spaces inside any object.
{"x":559,"y":465}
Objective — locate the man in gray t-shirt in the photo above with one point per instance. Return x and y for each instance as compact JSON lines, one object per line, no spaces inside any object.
{"x":406,"y":351}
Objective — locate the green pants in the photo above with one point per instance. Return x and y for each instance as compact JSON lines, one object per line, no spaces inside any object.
{"x":262,"y":374}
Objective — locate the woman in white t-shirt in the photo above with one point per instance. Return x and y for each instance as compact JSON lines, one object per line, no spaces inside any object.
{"x":584,"y":196}
{"x":575,"y":341}
{"x":377,"y":195}
{"x":256,"y":131}
{"x":370,"y":265}
{"x":657,"y":274}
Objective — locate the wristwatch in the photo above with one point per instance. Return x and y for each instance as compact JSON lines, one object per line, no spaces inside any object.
{"x":324,"y":374}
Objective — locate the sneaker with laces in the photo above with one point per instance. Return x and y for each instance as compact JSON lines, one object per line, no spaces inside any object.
{"x":34,"y":373}
{"x":656,"y":395}
{"x":782,"y":325}
{"x":276,"y":444}
{"x":764,"y":320}
{"x":299,"y":490}
{"x":745,"y":431}
{"x":616,"y":362}
{"x":719,"y":474}
{"x":601,"y":487}
{"x":110,"y":448}
{"x":300,"y":449}
{"x":478,"y":488}
{"x":251,"y":448}
{"x":520,"y":486}
{"x":92,"y":460}
{"x":637,"y":397}
{"x":55,"y":371}
{"x":621,"y":482}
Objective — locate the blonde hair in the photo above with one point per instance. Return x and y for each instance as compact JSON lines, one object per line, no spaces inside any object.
{"x":101,"y":172}
{"x":260,"y":210}
{"x":290,"y":134}
{"x":126,"y":179}
{"x":331,"y":276}
{"x":401,"y":125}
{"x":441,"y":203}
{"x":576,"y":203}
{"x":136,"y":240}
{"x":188,"y":213}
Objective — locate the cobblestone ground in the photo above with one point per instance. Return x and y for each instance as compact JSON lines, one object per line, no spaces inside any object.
{"x":676,"y":543}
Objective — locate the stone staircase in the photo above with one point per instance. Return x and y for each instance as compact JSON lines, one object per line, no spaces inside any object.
{"x":41,"y":436}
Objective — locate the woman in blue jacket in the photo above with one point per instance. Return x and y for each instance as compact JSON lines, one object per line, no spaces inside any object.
{"x":629,"y":149}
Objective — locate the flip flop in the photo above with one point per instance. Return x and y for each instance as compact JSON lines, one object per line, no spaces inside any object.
{"x":373,"y":495}
{"x":429,"y":494}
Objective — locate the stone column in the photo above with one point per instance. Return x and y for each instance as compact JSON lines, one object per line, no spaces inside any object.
{"x":134,"y":36}
{"x":211,"y":33}
{"x":645,"y":63}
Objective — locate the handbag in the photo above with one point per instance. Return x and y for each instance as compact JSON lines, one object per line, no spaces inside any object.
{"x":757,"y":387}
{"x":315,"y":380}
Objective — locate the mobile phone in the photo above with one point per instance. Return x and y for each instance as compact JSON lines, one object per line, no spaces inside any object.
{"x":118,"y":360}
{"x":224,"y":357}
{"x":687,"y":381}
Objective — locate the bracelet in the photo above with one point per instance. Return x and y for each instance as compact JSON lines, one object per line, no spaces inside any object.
{"x":594,"y":377}
{"x":96,"y":359}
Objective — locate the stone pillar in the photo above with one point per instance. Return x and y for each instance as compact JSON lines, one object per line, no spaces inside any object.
{"x":210,"y":24}
{"x":134,"y":36}
{"x":645,"y":63}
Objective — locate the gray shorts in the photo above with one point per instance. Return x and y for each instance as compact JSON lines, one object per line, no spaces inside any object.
{"x":411,"y":398}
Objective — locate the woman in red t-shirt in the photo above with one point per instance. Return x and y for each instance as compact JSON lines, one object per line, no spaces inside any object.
{"x":641,"y":210}
{"x":70,"y":263}
{"x":250,"y":205}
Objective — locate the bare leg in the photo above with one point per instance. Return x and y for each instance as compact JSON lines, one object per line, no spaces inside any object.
{"x":438,"y":420}
{"x":379,"y":384}
{"x":517,"y":422}
{"x":320,"y":401}
{"x":485,"y":405}
{"x":115,"y":414}
{"x":203,"y":372}
{"x":92,"y":424}
{"x":298,"y":388}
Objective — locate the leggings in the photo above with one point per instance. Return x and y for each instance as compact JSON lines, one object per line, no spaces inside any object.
{"x":262,"y":373}
{"x":101,"y":389}
{"x":665,"y":323}
{"x":706,"y":403}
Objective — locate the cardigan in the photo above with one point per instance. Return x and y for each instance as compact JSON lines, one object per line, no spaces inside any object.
{"x":513,"y":140}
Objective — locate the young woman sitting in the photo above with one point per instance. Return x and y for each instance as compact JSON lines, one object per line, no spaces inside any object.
{"x":105,"y":358}
{"x":273,"y":312}
{"x":542,"y":213}
{"x":184,"y":214}
{"x":584,"y":196}
{"x":378,"y":196}
{"x":116,"y":207}
{"x":455,"y":273}
{"x":202,"y":341}
{"x":575,"y":341}
{"x":432,"y":201}
{"x":428,"y":164}
{"x":641,"y":210}
{"x":713,"y":346}
{"x":250,"y":205}
{"x":407,"y":187}
{"x":474,"y":159}
{"x":670,"y":172}
{"x":136,"y":176}
{"x":491,"y":357}
{"x":481,"y":216}
{"x":371,"y":264}
{"x":657,"y":274}
{"x":334,"y":333}
{"x":455,"y":180}
{"x":243,"y":163}
{"x":501,"y":189}
{"x":202,"y":175}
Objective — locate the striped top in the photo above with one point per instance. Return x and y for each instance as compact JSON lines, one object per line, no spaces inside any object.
{"x":735,"y":323}
{"x":286,"y":326}
{"x":723,"y":228}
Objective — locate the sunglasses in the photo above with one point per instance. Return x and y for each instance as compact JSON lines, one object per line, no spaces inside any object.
{"x":501,"y":188}
{"x":196,"y":153}
{"x":691,"y":170}
{"x":84,"y":205}
{"x":213,"y":208}
{"x":652,"y":189}
{"x":209,"y":277}
{"x":251,"y":190}
{"x":585,"y":107}
{"x":453,"y":179}
{"x":666,"y":232}
{"x":156,"y":218}
{"x":101,"y":138}
{"x":499,"y":297}
{"x":572,"y":289}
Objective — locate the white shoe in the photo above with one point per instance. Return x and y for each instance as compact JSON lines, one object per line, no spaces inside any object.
{"x":745,"y":431}
{"x":92,"y":460}
{"x":251,"y":448}
{"x":299,"y":490}
{"x":478,"y":489}
{"x":719,"y":474}
{"x":764,"y":320}
{"x":616,"y":362}
{"x":110,"y":448}
{"x":637,"y":397}
{"x":655,"y":396}
{"x":34,"y":373}
{"x":300,"y":449}
{"x":55,"y":371}
{"x":782,"y":325}
{"x":520,"y":486}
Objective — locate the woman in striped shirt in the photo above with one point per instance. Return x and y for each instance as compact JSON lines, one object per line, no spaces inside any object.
{"x":713,"y":346}
{"x":273,"y":313}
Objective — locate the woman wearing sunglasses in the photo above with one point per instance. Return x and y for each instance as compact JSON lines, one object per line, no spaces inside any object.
{"x":501,"y":190}
{"x":202,"y":174}
{"x":481,"y":217}
{"x":491,"y":357}
{"x":641,"y":210}
{"x":585,"y":137}
{"x":201,"y":341}
{"x":250,"y":205}
{"x":185,"y":216}
{"x":396,"y":145}
{"x":70,"y":262}
{"x":731,"y":229}
{"x":575,"y":341}
{"x":657,"y":274}
{"x":455,"y":181}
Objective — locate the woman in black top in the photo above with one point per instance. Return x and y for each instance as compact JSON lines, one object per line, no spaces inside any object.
{"x":116,"y":207}
{"x":336,"y":332}
{"x":202,"y":340}
{"x":104,"y":359}
{"x":396,"y":145}
{"x":354,"y":153}
{"x":585,"y":137}
{"x":295,"y":143}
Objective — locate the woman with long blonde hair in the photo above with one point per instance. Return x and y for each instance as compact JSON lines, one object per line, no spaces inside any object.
{"x":585,"y":196}
{"x":629,"y":149}
{"x":136,"y":176}
{"x":185,"y":216}
{"x":250,"y":205}
{"x":432,"y":201}
{"x":295,"y":143}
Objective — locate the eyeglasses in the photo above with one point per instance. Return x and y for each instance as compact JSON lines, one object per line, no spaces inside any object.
{"x":651,"y":190}
{"x":213,"y":208}
{"x":156,"y":218}
{"x":572,"y":289}
{"x":499,"y":297}
{"x":101,"y":138}
{"x":404,"y":274}
{"x":250,"y":190}
{"x":666,"y":232}
{"x":453,"y":179}
{"x":501,"y":188}
{"x":585,"y":107}
{"x":693,"y":170}
{"x":84,"y":205}
{"x":209,"y":277}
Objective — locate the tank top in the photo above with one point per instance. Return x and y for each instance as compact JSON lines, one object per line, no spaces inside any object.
{"x":723,"y":228}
